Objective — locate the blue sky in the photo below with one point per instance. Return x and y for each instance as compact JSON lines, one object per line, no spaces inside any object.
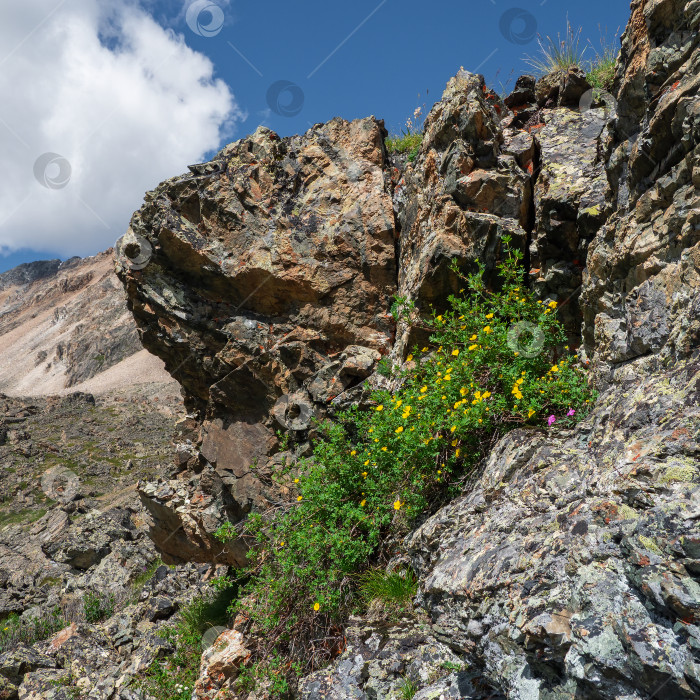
{"x":287,"y":65}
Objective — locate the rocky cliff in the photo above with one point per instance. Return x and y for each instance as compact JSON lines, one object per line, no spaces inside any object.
{"x":264,"y":279}
{"x":65,"y":325}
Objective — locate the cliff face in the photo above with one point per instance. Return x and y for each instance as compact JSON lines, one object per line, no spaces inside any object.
{"x":65,"y":325}
{"x":263,"y":279}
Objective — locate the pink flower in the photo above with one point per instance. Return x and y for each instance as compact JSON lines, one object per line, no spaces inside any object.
{"x":551,"y":419}
{"x":571,"y":412}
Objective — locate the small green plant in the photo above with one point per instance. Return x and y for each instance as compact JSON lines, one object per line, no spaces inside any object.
{"x":558,"y":54}
{"x":395,"y":590}
{"x":15,"y":629}
{"x":410,"y":139}
{"x":407,"y":689}
{"x":384,"y":367}
{"x":143,"y":578}
{"x":405,"y":143}
{"x":97,"y":607}
{"x":601,"y":69}
{"x":453,"y":667}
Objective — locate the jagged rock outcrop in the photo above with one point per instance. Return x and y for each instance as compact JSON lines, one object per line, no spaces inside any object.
{"x":570,"y":567}
{"x":266,"y":290}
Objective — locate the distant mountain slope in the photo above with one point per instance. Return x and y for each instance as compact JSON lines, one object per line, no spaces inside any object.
{"x":65,"y":325}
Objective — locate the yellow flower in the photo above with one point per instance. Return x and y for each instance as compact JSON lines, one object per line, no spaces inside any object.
{"x":379,"y":408}
{"x":447,"y":377}
{"x":371,"y":430}
{"x":487,"y":329}
{"x":530,"y":413}
{"x":477,"y":395}
{"x":455,"y":352}
{"x":363,"y":501}
{"x":555,"y":368}
{"x":473,"y":337}
{"x":424,"y":350}
{"x":473,"y":347}
{"x":296,"y":481}
{"x":486,"y":394}
{"x":398,"y":403}
{"x":457,"y":405}
{"x":520,"y":381}
{"x":457,"y":452}
{"x":552,"y":304}
{"x":489,"y":315}
{"x":366,"y":463}
{"x":454,"y":443}
{"x":453,"y":428}
{"x":423,"y":389}
{"x":317,"y":606}
{"x":281,"y":544}
{"x":439,"y":472}
{"x":299,"y":498}
{"x":399,"y":429}
{"x":397,"y":504}
{"x":480,"y":421}
{"x":364,"y":474}
{"x":516,"y":353}
{"x":384,"y":449}
{"x":463,"y":391}
{"x":409,"y":358}
{"x":439,"y":318}
{"x":353,"y":453}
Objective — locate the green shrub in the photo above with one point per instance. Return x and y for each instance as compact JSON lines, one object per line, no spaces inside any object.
{"x":496,"y":361}
{"x":97,"y":607}
{"x":394,"y":590}
{"x":15,"y":629}
{"x":601,"y":70}
{"x":405,"y":143}
{"x":558,"y":54}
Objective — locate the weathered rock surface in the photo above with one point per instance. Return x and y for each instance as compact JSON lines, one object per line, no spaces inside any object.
{"x":383,"y":658}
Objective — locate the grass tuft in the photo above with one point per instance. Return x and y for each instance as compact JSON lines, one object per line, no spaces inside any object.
{"x":560,"y":54}
{"x":601,"y":69}
{"x":394,"y":590}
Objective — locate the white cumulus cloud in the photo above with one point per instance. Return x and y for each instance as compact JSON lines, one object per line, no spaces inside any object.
{"x":120,"y":101}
